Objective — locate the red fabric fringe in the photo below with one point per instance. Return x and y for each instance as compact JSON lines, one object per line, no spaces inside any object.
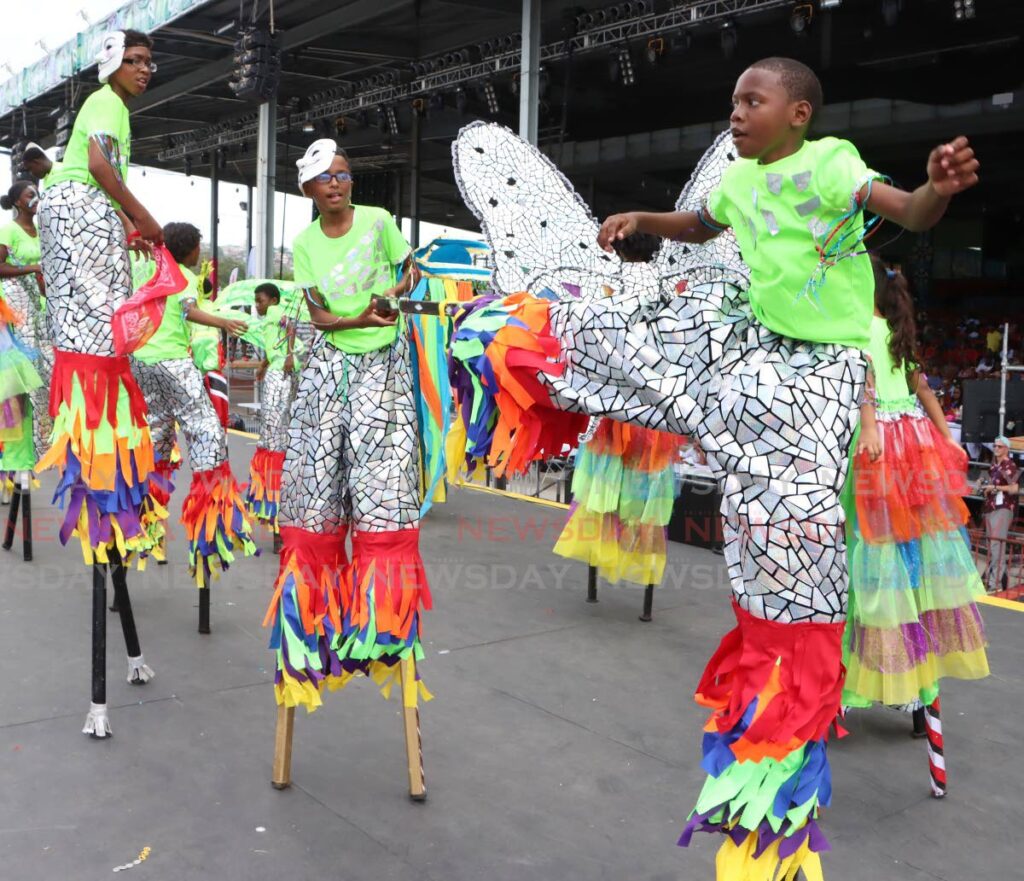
{"x":317,"y":558}
{"x":391,"y":563}
{"x":796,"y":673}
{"x":100,"y":377}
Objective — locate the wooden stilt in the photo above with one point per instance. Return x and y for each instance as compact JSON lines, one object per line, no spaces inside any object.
{"x":282,"y":773}
{"x":413,"y":737}
{"x":591,"y":584}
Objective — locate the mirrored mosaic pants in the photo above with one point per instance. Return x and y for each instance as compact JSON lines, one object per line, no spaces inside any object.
{"x":774,"y":415}
{"x":277,"y":394}
{"x":352,"y":451}
{"x":175,"y":393}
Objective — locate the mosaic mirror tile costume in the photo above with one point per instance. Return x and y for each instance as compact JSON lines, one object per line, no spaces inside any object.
{"x":673,"y":346}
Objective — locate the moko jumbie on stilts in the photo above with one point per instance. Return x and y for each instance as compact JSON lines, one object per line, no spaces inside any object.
{"x":217,"y":526}
{"x":761,"y":361}
{"x":101,"y":444}
{"x":351,"y":465}
{"x":278,"y":375}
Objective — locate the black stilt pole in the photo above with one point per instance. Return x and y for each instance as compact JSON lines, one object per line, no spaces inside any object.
{"x":26,"y":523}
{"x":204,"y":608}
{"x":119,"y":575}
{"x":591,"y":584}
{"x":919,"y":727}
{"x":648,"y":602}
{"x":96,"y":724}
{"x":12,"y":516}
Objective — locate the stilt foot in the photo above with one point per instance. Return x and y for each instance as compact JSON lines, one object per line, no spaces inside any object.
{"x":139,"y":672}
{"x":97,"y":723}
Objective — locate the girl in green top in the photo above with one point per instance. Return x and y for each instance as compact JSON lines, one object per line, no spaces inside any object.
{"x":21,"y":277}
{"x":101,"y":444}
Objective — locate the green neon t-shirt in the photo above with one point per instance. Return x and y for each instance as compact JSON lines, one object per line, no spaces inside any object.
{"x":105,"y":117}
{"x":349,"y":270}
{"x":274,"y":332}
{"x":780,"y":214}
{"x":171,"y":340}
{"x":22,"y":249}
{"x":890,"y":381}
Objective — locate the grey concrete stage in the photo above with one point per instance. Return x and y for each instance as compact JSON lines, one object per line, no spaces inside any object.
{"x":562,"y":745}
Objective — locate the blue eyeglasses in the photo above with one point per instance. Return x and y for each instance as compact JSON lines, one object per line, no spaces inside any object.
{"x":342,"y":177}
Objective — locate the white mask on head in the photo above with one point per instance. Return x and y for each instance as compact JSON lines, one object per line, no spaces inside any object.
{"x":318,"y":158}
{"x":111,"y":54}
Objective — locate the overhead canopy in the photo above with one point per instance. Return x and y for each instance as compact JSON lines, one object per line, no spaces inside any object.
{"x":896,"y":89}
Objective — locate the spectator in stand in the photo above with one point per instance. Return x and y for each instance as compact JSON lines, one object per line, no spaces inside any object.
{"x":986,"y":365}
{"x":1000,"y":492}
{"x":952,"y":403}
{"x":994,"y":339}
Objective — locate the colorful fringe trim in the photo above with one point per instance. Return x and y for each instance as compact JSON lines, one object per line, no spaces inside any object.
{"x":623,"y":491}
{"x":216,"y":523}
{"x":161,"y":480}
{"x":775,"y":692}
{"x":333,"y":621}
{"x":263,"y":495}
{"x":102,"y":450}
{"x":912,"y":618}
{"x":499,"y":349}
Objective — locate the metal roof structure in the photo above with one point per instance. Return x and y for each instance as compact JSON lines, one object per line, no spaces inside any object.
{"x":899,"y":76}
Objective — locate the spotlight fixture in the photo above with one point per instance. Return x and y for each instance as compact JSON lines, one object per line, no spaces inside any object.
{"x":308,"y":127}
{"x":622,"y":67}
{"x":655,"y":49}
{"x":392,"y":119}
{"x":963,"y":9}
{"x":830,"y":4}
{"x":729,"y":38}
{"x":800,"y":18}
{"x":491,"y":97}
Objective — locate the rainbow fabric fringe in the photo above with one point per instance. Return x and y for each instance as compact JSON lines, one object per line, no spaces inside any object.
{"x":216,"y":523}
{"x":334,"y":621}
{"x":498,"y":350}
{"x":774,"y":690}
{"x":623,"y":490}
{"x":18,"y":378}
{"x":263,"y":495}
{"x":102,"y":450}
{"x":912,"y":618}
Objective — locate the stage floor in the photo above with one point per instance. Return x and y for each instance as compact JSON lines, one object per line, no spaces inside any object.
{"x":563,"y":743}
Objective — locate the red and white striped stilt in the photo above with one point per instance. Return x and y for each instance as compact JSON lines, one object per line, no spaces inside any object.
{"x":936,"y":748}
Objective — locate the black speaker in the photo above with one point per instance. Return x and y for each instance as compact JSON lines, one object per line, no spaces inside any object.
{"x":979,"y":422}
{"x":696,"y":516}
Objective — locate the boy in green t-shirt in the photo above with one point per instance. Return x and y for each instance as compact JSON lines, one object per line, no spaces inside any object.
{"x":278,"y":376}
{"x":352,"y":457}
{"x":769,"y":383}
{"x":174,"y":392}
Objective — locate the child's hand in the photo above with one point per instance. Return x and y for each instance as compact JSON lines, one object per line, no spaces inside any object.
{"x":235,"y":327}
{"x":952,"y":168}
{"x":616,"y":228}
{"x":869,"y":442}
{"x":370,"y":317}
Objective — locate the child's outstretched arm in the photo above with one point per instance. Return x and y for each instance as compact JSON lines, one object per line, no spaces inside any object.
{"x":233,"y":326}
{"x":952,"y":168}
{"x":680,"y":226}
